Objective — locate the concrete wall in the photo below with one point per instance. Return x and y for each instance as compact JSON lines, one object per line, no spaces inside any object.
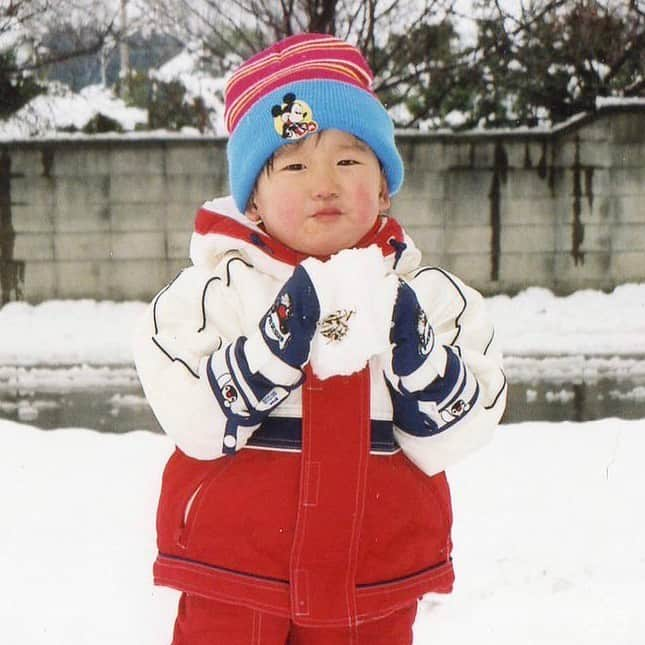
{"x":110,"y":218}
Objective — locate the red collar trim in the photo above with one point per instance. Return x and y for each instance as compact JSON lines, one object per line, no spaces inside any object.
{"x":384,"y":231}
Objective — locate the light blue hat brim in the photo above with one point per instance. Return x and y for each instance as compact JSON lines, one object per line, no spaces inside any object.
{"x":335,"y":105}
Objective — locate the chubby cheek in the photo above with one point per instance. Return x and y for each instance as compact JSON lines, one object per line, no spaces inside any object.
{"x":290,"y":208}
{"x":283,"y":220}
{"x":367,"y":201}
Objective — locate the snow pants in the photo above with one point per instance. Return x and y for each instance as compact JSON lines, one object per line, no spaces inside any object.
{"x":201,"y":621}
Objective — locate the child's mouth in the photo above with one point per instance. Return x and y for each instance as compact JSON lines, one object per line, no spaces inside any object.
{"x":325,"y":213}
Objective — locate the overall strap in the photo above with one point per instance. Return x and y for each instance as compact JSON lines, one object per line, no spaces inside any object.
{"x":335,"y":452}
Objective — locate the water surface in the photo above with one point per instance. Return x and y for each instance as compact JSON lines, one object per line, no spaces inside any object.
{"x":110,"y":399}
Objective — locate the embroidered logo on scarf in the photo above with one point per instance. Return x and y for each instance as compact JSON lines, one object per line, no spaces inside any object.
{"x":335,"y":326}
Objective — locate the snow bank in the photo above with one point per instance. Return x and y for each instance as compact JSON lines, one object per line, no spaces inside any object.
{"x":548,"y":539}
{"x":534,"y":323}
{"x":61,"y":109}
{"x":67,"y":332}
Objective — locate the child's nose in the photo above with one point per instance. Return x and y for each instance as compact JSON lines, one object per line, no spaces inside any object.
{"x":324,"y":184}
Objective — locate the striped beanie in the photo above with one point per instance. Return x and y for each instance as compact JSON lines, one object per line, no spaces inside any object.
{"x":303,"y":84}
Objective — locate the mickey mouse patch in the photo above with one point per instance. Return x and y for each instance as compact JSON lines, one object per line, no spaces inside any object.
{"x":293,"y":119}
{"x":276,"y":325}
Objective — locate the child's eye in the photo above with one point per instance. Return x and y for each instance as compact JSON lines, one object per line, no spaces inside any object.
{"x":348,"y":162}
{"x":294,"y":166}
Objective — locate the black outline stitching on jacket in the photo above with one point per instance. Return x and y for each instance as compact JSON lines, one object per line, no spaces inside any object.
{"x":174,"y":359}
{"x":494,"y":403}
{"x":458,"y":325}
{"x":154,"y":306}
{"x":156,"y":326}
{"x":456,"y":286}
{"x":489,"y":343}
{"x":201,"y":329}
{"x":228,"y":264}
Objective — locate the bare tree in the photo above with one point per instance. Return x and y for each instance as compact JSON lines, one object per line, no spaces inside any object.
{"x":24,"y":23}
{"x":519,"y":63}
{"x":124,"y":50}
{"x":235,"y":29}
{"x":557,"y":57}
{"x":398,"y":37}
{"x":36,"y":35}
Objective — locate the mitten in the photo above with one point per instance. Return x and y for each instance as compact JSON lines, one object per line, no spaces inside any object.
{"x":251,"y":376}
{"x":435,"y":388}
{"x":416,"y":359}
{"x":289,"y":325}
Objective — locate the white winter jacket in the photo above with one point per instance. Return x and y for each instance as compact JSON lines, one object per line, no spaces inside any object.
{"x":236,"y":273}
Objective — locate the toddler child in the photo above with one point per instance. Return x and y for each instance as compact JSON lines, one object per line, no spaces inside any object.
{"x":316,"y":379}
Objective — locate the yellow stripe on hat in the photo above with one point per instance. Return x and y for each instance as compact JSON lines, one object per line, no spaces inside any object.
{"x":324,"y":43}
{"x":275,"y":58}
{"x":350,"y":71}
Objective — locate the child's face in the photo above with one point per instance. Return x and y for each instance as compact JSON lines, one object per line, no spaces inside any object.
{"x":323,"y":194}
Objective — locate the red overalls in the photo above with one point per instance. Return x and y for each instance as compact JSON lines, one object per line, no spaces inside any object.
{"x":328,"y":537}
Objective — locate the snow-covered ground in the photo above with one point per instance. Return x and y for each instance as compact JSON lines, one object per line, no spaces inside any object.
{"x":588,"y":337}
{"x":537,"y":323}
{"x":533,"y":324}
{"x":549,"y":539}
{"x":549,"y":532}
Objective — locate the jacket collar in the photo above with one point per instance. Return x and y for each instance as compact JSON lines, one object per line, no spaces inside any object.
{"x":220,"y":229}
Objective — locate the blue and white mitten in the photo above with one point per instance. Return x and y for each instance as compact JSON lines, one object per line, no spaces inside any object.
{"x":434,"y":388}
{"x":251,"y":376}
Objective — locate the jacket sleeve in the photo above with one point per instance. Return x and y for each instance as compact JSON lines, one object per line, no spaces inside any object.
{"x":203,"y":366}
{"x":456,"y":412}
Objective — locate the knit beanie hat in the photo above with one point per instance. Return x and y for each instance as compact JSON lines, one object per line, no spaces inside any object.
{"x":303,"y":84}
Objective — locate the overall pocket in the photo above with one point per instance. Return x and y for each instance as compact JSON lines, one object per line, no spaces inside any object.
{"x":407,"y":520}
{"x":241,"y":517}
{"x":183,"y":479}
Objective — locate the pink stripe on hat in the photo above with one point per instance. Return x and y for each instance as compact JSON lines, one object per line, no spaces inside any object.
{"x":302,"y":85}
{"x":298,"y":58}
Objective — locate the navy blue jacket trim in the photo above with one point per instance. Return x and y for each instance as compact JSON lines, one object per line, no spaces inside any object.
{"x":285,"y":433}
